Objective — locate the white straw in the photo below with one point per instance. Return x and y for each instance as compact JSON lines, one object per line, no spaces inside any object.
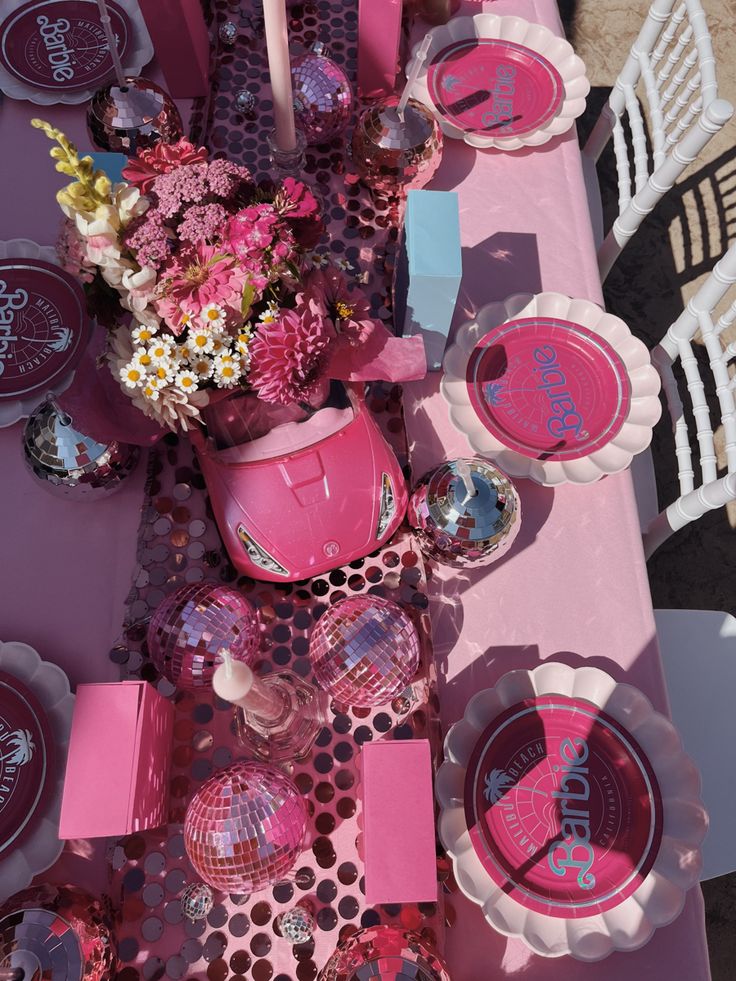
{"x":112,"y":43}
{"x":465,"y":473}
{"x":227,"y":661}
{"x":413,"y":75}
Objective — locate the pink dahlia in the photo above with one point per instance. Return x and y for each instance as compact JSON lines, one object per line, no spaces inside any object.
{"x":327,"y":293}
{"x":161,"y":159}
{"x":289,"y":357}
{"x":196,"y":276}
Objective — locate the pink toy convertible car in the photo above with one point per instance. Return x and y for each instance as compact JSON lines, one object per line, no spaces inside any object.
{"x":297,"y":492}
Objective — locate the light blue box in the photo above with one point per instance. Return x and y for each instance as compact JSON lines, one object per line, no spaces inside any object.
{"x":428,"y":270}
{"x":111,"y":163}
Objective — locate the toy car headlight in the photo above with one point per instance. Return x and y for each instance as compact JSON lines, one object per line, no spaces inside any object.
{"x":258,"y":555}
{"x":388,"y":505}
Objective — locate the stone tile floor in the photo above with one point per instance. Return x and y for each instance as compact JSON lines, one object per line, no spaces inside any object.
{"x":656,"y":274}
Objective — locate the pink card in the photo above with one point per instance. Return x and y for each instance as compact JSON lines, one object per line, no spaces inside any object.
{"x":117,"y":772}
{"x":398,"y":822}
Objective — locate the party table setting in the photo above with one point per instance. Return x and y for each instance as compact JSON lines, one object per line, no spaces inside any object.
{"x":326,"y":648}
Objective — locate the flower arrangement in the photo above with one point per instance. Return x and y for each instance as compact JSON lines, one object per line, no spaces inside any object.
{"x":214,"y":281}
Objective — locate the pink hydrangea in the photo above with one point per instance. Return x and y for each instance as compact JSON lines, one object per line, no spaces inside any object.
{"x":289,"y":357}
{"x":195,"y":277}
{"x":203,"y":223}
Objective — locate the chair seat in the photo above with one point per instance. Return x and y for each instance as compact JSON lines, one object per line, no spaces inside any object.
{"x":698,"y":650}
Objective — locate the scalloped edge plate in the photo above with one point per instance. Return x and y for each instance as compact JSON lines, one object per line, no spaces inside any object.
{"x":42,"y":846}
{"x":660,"y":897}
{"x":139,"y":54}
{"x":538,"y":39}
{"x":644,"y":408}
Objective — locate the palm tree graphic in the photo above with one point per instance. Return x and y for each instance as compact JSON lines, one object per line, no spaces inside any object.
{"x":22,"y":748}
{"x":60,"y":341}
{"x":498,"y":783}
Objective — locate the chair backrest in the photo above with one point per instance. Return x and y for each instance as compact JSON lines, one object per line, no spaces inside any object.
{"x":671,"y":65}
{"x":698,"y":650}
{"x":699,"y":318}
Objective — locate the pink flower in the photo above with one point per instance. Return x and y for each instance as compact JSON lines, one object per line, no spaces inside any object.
{"x":70,"y":250}
{"x":327,"y":293}
{"x":300,"y":209}
{"x":289,"y":357}
{"x":161,"y":159}
{"x":196,"y":276}
{"x":149,"y":239}
{"x":203,"y":223}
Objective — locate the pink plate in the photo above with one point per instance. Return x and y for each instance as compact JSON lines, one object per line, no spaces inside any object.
{"x":496,"y":87}
{"x":548,"y":389}
{"x":563,"y":807}
{"x":43,"y":326}
{"x":60,"y":45}
{"x":24,"y":760}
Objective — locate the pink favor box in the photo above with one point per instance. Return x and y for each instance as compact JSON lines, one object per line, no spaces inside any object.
{"x":398,"y":822}
{"x":117,"y":771}
{"x":379,"y":37}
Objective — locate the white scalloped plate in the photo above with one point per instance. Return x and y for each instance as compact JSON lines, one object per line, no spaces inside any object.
{"x":555,"y":60}
{"x":653,"y":896}
{"x":139,"y":53}
{"x":633,"y":413}
{"x":21,"y":408}
{"x":41,"y":847}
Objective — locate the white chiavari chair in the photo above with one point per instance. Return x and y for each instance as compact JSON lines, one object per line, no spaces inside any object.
{"x":672,"y":67}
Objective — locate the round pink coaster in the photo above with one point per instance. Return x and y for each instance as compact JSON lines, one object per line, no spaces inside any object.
{"x":563,"y":807}
{"x":61,"y":44}
{"x":486,"y":85}
{"x":24,"y":760}
{"x":43,"y":326}
{"x":548,"y":389}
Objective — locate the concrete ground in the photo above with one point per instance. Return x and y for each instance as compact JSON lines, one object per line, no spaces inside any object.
{"x":656,"y":274}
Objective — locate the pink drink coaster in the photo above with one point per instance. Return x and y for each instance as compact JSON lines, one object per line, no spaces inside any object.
{"x":61,"y":44}
{"x":43,"y":326}
{"x":25,"y":760}
{"x":548,"y":389}
{"x":563,"y":807}
{"x":496,"y":87}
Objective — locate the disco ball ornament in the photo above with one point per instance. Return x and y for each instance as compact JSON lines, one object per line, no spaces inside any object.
{"x":364,"y":651}
{"x":244,"y":827}
{"x":69,"y":464}
{"x":297,"y":925}
{"x":323,"y":98}
{"x":384,"y":953}
{"x":394,"y":156}
{"x":134,"y":117}
{"x":245,"y":101}
{"x":228,"y":33}
{"x":197,"y":901}
{"x":192,"y":625}
{"x":56,"y":933}
{"x":460,"y":529}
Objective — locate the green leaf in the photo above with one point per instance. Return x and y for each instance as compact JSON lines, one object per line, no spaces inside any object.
{"x":247,"y":299}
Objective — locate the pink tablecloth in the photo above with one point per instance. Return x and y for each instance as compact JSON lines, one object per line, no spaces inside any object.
{"x":574,"y":586}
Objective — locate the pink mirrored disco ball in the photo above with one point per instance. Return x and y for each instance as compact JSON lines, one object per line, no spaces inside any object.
{"x":385,"y":953}
{"x":190,"y":627}
{"x":364,"y":650}
{"x":56,"y":933}
{"x":244,"y":827}
{"x":323,"y":98}
{"x":461,"y":529}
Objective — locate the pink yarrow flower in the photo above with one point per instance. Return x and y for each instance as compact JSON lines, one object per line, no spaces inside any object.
{"x":143,"y":169}
{"x":289,"y":357}
{"x":203,"y":223}
{"x":195,"y":277}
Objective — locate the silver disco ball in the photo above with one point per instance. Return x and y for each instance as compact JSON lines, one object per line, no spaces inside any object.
{"x":68,"y":463}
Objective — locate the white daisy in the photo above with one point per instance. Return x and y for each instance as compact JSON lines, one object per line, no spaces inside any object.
{"x":271,"y":314}
{"x":187,"y":381}
{"x":142,"y":358}
{"x":185,"y":319}
{"x":227,"y":370}
{"x":151,"y":389}
{"x":219,"y":344}
{"x":318,"y":259}
{"x":202,"y":366}
{"x":243,"y":340}
{"x":161,"y":349}
{"x":213,"y":315}
{"x":164,"y":371}
{"x":200,"y":340}
{"x":343,"y":265}
{"x":132,"y":375}
{"x":142,"y":334}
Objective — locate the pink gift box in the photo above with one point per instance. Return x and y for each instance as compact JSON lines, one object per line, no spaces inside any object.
{"x":182,"y":44}
{"x":398,"y":822}
{"x":117,"y":771}
{"x":379,"y":37}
